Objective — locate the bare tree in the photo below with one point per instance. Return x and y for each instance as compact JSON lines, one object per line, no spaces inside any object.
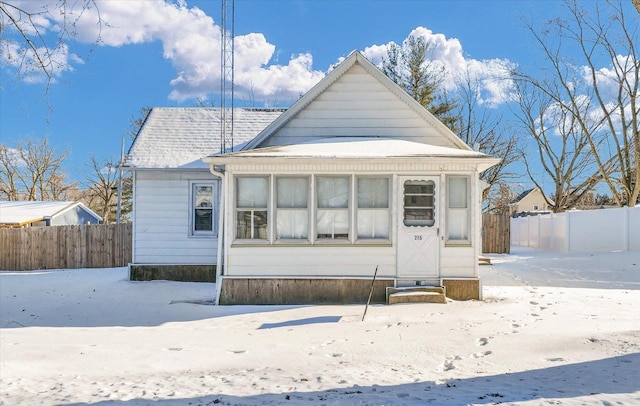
{"x":103,"y":177}
{"x":500,"y":199}
{"x":24,"y":41}
{"x":8,"y":173}
{"x":102,"y":194}
{"x":136,"y":122}
{"x":33,"y":171}
{"x":599,"y":93}
{"x":482,"y":129}
{"x":561,"y":146}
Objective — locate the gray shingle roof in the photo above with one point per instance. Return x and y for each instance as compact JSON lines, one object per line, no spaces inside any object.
{"x":175,"y":137}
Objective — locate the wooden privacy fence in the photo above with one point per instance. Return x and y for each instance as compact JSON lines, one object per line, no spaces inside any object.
{"x":496,"y":233}
{"x":65,"y":247}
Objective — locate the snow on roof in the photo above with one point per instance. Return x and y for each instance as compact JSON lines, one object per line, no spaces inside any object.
{"x":352,"y":147}
{"x":173,"y":137}
{"x":20,"y":212}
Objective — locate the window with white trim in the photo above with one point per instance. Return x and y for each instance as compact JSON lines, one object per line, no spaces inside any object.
{"x":203,"y":216}
{"x":332,"y":214}
{"x":372,"y":212}
{"x":292,"y":209}
{"x":252,"y":196}
{"x":458,"y":212}
{"x":312,"y":209}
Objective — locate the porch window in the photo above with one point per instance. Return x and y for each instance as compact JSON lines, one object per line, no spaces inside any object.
{"x":332,"y":217}
{"x":202,"y":210}
{"x":292,"y":213}
{"x":373,"y":208}
{"x":252,"y":195}
{"x":458,"y":213}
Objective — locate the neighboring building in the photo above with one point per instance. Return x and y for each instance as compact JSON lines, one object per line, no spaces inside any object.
{"x":528,"y":202}
{"x":42,"y":214}
{"x":355,"y":176}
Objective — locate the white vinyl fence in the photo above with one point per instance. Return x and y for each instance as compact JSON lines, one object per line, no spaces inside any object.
{"x":580,"y":231}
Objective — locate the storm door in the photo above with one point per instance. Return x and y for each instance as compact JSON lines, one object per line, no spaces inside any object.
{"x":418,"y":227}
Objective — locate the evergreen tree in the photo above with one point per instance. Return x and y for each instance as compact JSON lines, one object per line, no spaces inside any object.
{"x":410,"y":67}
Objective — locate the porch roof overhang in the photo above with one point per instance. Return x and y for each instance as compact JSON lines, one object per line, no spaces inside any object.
{"x":353,"y":149}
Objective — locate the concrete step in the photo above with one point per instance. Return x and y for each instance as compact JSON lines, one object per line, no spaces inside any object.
{"x":416,"y":294}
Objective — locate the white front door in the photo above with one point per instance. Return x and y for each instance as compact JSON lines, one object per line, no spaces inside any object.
{"x":418,"y":227}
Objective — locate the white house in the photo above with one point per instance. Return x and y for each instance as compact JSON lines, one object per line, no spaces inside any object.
{"x":529,"y":201}
{"x":355,"y":176}
{"x":18,"y":214}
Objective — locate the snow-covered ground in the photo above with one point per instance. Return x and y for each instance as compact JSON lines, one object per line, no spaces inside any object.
{"x":552,"y":329}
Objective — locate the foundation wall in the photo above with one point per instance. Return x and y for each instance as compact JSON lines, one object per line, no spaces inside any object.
{"x":245,"y":291}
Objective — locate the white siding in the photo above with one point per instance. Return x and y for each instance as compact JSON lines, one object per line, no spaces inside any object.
{"x":161,"y":228}
{"x":357,"y":105}
{"x":311,"y":261}
{"x":352,"y":260}
{"x":458,"y":262}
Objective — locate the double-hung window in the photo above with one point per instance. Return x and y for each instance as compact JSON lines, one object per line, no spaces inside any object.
{"x":252,"y":196}
{"x":332,"y":214}
{"x":292,"y":209}
{"x":373,"y":208}
{"x":203,"y":216}
{"x":312,"y":209}
{"x":458,"y":213}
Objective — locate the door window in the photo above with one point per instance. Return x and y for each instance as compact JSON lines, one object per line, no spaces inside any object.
{"x":419,"y":203}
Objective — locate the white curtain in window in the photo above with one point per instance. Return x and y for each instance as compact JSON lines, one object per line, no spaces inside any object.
{"x":373,"y":223}
{"x":252,"y":195}
{"x":292,"y":192}
{"x":373,"y":208}
{"x":332,"y":219}
{"x":373,"y":193}
{"x":458,"y":193}
{"x":292,"y":220}
{"x":252,"y":192}
{"x":332,"y":223}
{"x":333,"y":192}
{"x":458,"y":214}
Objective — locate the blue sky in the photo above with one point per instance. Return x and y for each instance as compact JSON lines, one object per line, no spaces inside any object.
{"x":163,"y":53}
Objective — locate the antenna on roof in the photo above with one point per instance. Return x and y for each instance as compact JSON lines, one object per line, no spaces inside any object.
{"x":226,"y":75}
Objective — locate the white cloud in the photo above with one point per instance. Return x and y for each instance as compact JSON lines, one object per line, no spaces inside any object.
{"x":190,"y":40}
{"x":448,"y":53}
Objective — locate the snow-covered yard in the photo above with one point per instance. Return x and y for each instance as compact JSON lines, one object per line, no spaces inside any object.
{"x":552,"y":329}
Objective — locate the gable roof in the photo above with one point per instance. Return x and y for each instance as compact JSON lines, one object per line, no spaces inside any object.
{"x":522,"y":196}
{"x":356,"y":58}
{"x":176,"y":137}
{"x":25,"y":212}
{"x":527,"y":193}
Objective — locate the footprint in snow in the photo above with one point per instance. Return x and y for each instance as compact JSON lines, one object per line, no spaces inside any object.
{"x":447,"y":365}
{"x":480,"y":354}
{"x":482,"y":341}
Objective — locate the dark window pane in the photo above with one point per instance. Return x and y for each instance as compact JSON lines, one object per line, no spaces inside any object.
{"x":203,"y":220}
